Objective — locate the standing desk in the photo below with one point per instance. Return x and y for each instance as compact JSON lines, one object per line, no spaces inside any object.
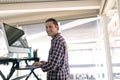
{"x":15,"y":66}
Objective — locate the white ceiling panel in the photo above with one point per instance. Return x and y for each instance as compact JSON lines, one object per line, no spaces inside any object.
{"x":22,"y":12}
{"x":23,"y":1}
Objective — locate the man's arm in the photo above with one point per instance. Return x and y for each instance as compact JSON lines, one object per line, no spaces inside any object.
{"x":56,"y":57}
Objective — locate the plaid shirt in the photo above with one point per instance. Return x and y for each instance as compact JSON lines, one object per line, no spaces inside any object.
{"x":57,"y":67}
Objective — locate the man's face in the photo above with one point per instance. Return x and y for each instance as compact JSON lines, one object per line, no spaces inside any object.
{"x":51,"y":29}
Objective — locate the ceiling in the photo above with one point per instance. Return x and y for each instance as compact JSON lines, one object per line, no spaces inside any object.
{"x":23,"y":12}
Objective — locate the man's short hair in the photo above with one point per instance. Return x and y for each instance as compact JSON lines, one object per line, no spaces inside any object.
{"x":53,"y":20}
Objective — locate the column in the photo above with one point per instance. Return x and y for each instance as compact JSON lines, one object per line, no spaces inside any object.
{"x":118,"y":9}
{"x":107,"y":48}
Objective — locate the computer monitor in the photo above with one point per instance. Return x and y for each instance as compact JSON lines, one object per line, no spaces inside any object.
{"x":12,"y":33}
{"x":9,"y":35}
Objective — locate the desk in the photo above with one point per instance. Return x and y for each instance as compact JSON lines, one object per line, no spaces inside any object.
{"x":15,"y":66}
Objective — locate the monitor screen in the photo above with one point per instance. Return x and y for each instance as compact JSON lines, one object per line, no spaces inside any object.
{"x":12,"y":33}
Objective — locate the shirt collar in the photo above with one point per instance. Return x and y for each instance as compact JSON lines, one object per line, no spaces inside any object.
{"x":56,"y":35}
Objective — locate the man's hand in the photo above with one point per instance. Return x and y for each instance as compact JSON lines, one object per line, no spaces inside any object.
{"x":38,"y":63}
{"x":42,"y":62}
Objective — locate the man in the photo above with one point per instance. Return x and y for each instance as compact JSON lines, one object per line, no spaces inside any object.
{"x":57,"y":66}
